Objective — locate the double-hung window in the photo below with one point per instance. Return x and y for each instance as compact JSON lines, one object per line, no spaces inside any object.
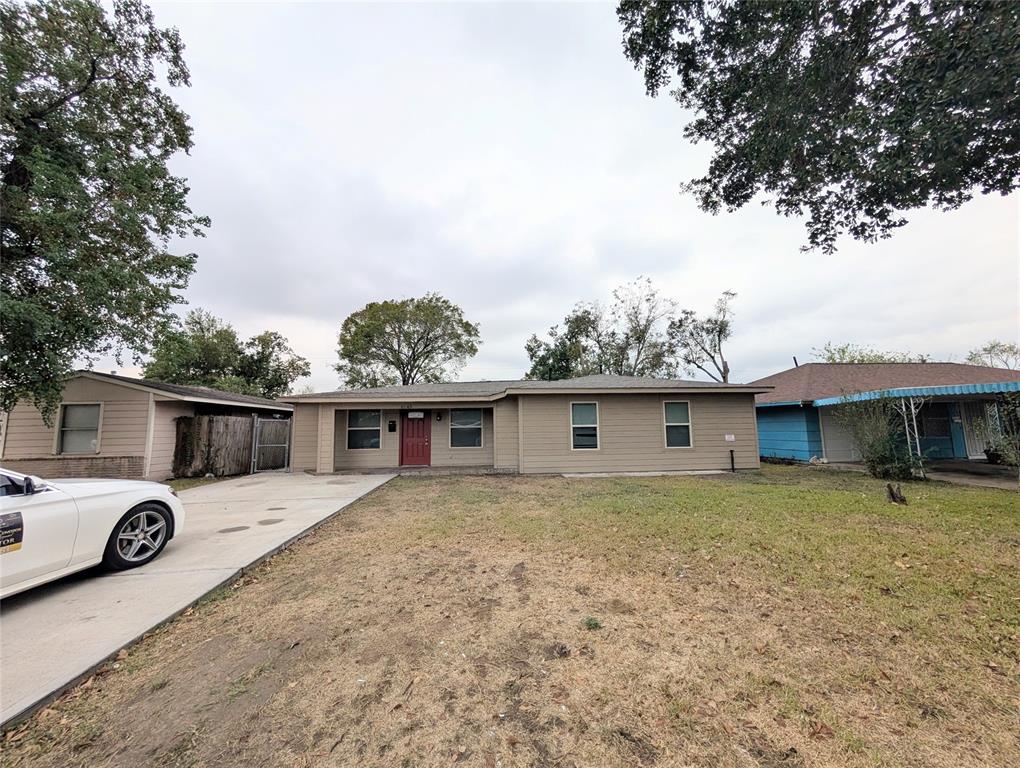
{"x":79,"y":429}
{"x":584,"y":426}
{"x":364,"y":429}
{"x":466,"y":428}
{"x":678,"y":424}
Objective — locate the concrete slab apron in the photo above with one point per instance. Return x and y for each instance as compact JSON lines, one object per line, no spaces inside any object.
{"x":53,"y":635}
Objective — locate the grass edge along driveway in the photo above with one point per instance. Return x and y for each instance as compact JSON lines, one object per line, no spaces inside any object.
{"x":785,"y":618}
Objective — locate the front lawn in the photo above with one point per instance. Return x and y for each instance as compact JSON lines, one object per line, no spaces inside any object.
{"x":788,"y":618}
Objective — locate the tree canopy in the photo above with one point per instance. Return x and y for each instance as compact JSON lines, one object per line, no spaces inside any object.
{"x":858,"y":353}
{"x":89,"y":204}
{"x":405,"y":341}
{"x":849,"y":112}
{"x":997,"y":354}
{"x":205,"y":351}
{"x":640,"y":333}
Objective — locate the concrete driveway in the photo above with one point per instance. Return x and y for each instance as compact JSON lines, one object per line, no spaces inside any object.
{"x":52,"y":636}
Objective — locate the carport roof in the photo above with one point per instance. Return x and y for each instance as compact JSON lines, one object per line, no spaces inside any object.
{"x":494,"y":390}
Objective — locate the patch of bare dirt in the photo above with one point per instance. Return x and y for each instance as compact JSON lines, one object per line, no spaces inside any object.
{"x":365,"y":644}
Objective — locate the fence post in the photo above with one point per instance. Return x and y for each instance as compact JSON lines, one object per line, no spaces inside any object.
{"x":254,"y":442}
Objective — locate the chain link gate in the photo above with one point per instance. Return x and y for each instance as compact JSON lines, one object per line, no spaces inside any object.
{"x":271,"y":444}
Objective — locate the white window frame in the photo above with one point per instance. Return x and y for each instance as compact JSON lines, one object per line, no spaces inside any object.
{"x":597,"y":425}
{"x":453,"y":447}
{"x":58,"y":433}
{"x":347,"y":434}
{"x":689,"y":424}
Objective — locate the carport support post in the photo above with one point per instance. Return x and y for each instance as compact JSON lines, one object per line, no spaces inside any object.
{"x":906,"y":427}
{"x":917,"y":438}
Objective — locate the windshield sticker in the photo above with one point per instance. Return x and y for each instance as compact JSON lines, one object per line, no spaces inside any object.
{"x":11,"y":532}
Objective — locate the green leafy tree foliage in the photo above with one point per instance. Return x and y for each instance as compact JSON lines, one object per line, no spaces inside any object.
{"x":405,"y":342}
{"x":89,"y":205}
{"x":997,"y":354}
{"x":850,"y":112}
{"x":699,"y":340}
{"x":875,"y":428}
{"x":627,"y":338}
{"x":206,"y":352}
{"x":1002,"y":431}
{"x":857,"y":353}
{"x":641,"y":333}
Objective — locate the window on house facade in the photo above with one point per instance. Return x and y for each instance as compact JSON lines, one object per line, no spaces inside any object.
{"x":678,"y":424}
{"x":466,"y":428}
{"x":364,"y":429}
{"x":933,"y":420}
{"x":584,"y":426}
{"x":79,"y":429}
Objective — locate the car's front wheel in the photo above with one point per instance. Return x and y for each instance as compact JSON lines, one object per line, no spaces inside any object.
{"x":138,"y":537}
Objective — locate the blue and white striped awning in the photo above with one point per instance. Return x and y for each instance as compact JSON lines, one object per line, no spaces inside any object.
{"x":937,"y":391}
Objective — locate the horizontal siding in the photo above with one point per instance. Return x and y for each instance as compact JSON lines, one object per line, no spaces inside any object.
{"x":386,"y":456}
{"x":164,"y":437}
{"x":445,"y":456}
{"x":123,"y":429}
{"x":632,"y":434}
{"x":504,"y":416}
{"x":789,"y":432}
{"x":305,"y":450}
{"x":324,"y":461}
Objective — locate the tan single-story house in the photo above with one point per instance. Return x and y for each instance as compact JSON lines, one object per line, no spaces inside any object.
{"x":587,"y":424}
{"x":114,"y":426}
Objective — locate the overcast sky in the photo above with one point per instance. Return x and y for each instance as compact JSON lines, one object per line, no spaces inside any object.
{"x":507,"y":157}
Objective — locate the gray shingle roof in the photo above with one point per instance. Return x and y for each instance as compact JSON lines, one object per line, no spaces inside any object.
{"x":492,"y":389}
{"x":201,"y":393}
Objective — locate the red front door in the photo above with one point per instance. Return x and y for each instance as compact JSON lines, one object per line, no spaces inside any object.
{"x":415,"y":431}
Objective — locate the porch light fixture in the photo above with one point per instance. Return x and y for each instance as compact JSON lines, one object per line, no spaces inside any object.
{"x":439,"y":415}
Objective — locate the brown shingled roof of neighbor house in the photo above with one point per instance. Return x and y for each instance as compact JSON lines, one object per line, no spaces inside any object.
{"x":814,"y":381}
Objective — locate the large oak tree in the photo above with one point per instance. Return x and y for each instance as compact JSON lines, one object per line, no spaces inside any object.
{"x":89,"y":204}
{"x":405,"y":341}
{"x":850,"y":112}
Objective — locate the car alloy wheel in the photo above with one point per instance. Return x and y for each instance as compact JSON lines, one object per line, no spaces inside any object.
{"x":141,"y":536}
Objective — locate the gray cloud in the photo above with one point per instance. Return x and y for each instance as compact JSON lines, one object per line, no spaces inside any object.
{"x":507,"y":157}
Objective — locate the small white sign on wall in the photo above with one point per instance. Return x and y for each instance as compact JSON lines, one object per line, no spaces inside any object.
{"x":416,"y":414}
{"x":731,"y":438}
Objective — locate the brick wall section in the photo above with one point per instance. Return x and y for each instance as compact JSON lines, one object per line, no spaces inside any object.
{"x":125,"y":467}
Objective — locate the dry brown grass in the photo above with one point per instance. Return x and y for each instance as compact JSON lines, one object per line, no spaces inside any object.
{"x":788,"y":619}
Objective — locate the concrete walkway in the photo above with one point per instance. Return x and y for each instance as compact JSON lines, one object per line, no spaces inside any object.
{"x":970,"y":478}
{"x":53,"y":636}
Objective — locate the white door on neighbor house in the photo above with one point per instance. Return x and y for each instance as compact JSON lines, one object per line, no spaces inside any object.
{"x":975,"y":416}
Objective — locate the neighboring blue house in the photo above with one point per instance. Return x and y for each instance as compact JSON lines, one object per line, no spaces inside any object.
{"x":795,"y":419}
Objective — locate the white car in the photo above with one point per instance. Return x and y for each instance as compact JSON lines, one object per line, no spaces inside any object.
{"x":51,"y":528}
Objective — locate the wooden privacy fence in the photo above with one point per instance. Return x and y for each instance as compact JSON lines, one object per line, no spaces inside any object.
{"x":230,"y":445}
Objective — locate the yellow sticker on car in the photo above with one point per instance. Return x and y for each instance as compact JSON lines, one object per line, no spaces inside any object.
{"x":12,"y":529}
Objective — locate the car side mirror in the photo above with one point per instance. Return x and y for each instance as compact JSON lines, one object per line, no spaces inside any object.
{"x":32,"y":484}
